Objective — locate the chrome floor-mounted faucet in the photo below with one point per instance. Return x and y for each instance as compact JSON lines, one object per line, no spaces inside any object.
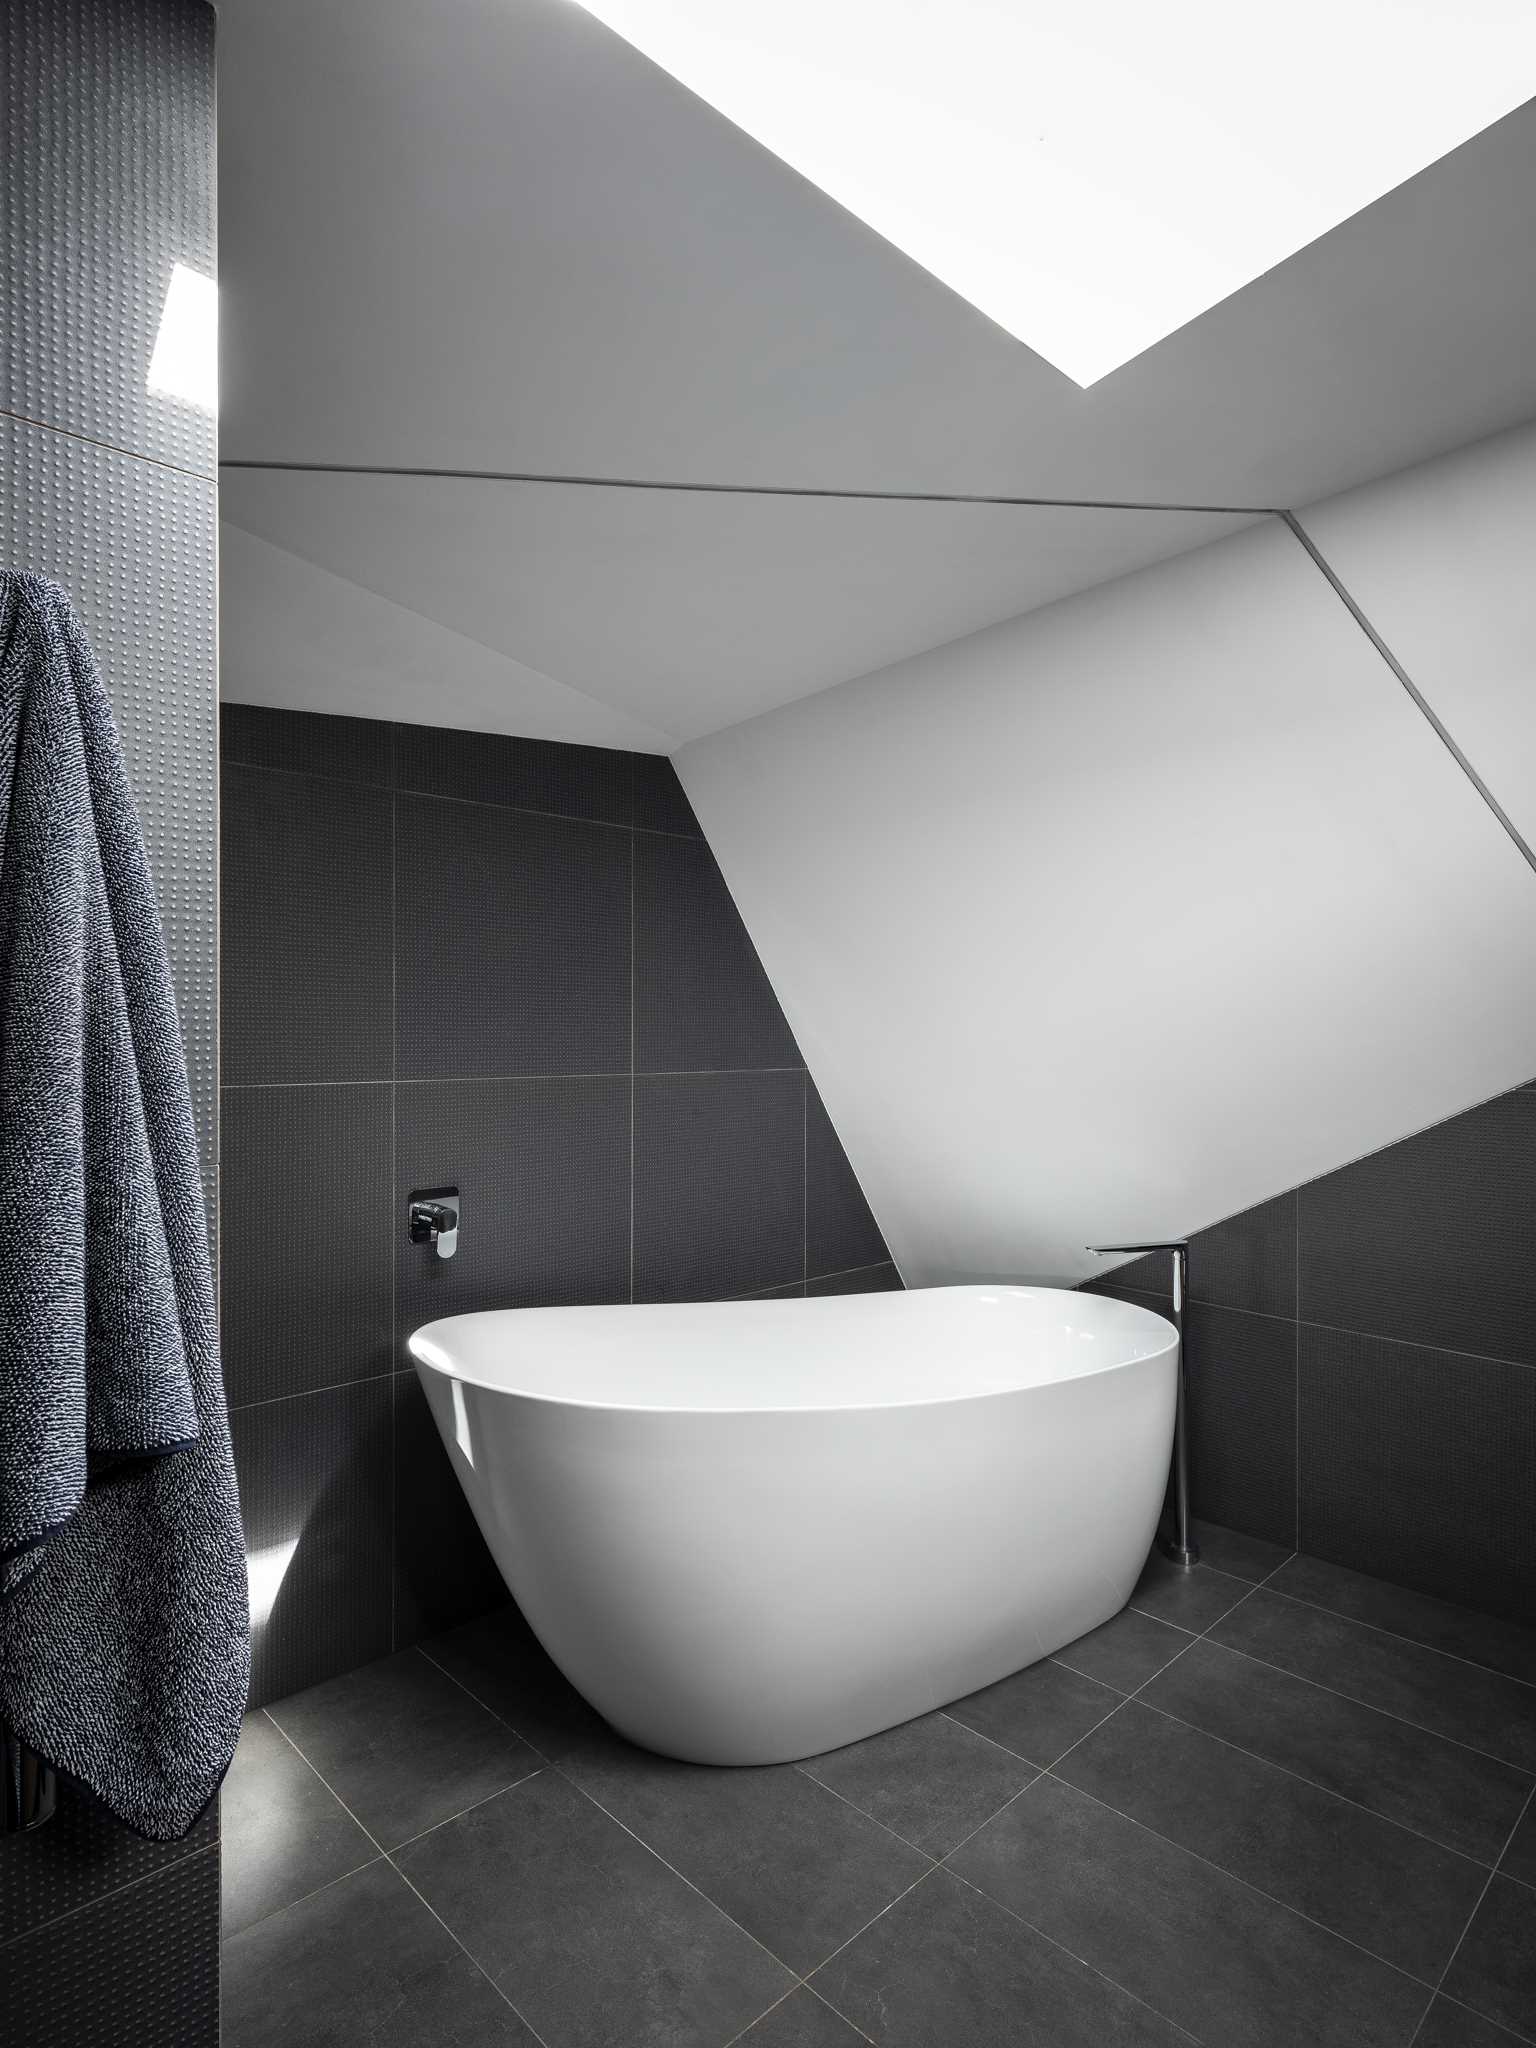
{"x":1182,"y":1548}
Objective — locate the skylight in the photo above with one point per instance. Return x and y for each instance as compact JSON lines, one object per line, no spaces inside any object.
{"x":185,"y":363}
{"x":1095,"y":173}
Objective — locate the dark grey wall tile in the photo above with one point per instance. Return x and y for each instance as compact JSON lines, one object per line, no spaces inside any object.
{"x":82,"y":1854}
{"x":702,"y":1000}
{"x":1150,"y":1274}
{"x":865,"y":1280}
{"x":512,"y":942}
{"x":306,"y":1294}
{"x":109,"y":181}
{"x":1416,"y":1466}
{"x":719,"y":1184}
{"x":306,"y":929}
{"x":840,"y":1230}
{"x":661,"y":803}
{"x":138,"y":1969}
{"x":1430,"y":1240}
{"x":1249,"y":1261}
{"x":1242,"y":1420}
{"x":315,"y":1498}
{"x":443,"y":1572}
{"x":307,"y":742}
{"x":543,"y":1173}
{"x":528,"y":775}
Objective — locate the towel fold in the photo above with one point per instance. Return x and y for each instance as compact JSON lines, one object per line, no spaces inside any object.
{"x":124,"y":1640}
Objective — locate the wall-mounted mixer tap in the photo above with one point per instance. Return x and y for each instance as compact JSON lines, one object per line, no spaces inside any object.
{"x":434,"y":1219}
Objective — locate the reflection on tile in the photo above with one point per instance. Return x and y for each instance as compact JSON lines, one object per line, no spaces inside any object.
{"x":402,"y":1745}
{"x":577,"y":1922}
{"x":363,"y":1961}
{"x":285,"y":1834}
{"x":315,"y":1501}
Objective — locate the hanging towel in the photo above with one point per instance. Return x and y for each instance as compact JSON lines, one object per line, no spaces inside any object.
{"x":124,"y":1639}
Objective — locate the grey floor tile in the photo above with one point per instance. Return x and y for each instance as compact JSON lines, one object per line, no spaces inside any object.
{"x":1481,"y":1708}
{"x":1200,"y":1947}
{"x":1519,"y":1858}
{"x":501,"y":1661}
{"x":1459,"y":1631}
{"x":284,"y":1833}
{"x":1402,"y":1897}
{"x":403,"y":1745}
{"x":1449,"y":2025}
{"x":931,"y":1780}
{"x":1126,"y":1651}
{"x":947,"y":1967}
{"x":793,"y":1864}
{"x":1189,"y":1599}
{"x":1037,"y":1712}
{"x":1495,"y":1967}
{"x":1245,"y":1557}
{"x":1443,"y":1789}
{"x":362,"y":1962}
{"x":802,"y":2021}
{"x":590,"y":1935}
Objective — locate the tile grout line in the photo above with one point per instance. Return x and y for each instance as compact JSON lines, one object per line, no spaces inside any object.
{"x":386,"y":1857}
{"x":470,"y":1080}
{"x":1413,"y":1643}
{"x":1467,"y":1929}
{"x":1268,"y":1315}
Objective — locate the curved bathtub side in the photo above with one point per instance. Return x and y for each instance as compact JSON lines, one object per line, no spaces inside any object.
{"x":740,"y":1588}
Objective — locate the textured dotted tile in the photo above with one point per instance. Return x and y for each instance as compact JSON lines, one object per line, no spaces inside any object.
{"x":108,"y":164}
{"x":139,"y":1969}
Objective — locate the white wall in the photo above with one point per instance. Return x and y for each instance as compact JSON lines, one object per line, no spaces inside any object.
{"x":1112,"y":920}
{"x":1442,"y":560}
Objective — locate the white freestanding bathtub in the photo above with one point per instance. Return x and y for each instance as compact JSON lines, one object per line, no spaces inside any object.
{"x":752,"y":1531}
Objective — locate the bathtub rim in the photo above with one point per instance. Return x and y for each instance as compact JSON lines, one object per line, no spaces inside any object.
{"x":443,"y":1368}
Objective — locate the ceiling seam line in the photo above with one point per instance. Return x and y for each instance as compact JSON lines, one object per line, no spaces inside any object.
{"x":1431,"y":716}
{"x":630,"y":483}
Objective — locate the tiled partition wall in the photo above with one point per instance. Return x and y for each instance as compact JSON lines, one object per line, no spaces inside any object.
{"x":1362,"y":1355}
{"x":503,"y":965}
{"x":106,"y":165}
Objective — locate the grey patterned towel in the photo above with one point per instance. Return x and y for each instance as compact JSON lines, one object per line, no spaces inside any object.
{"x":124,"y":1641}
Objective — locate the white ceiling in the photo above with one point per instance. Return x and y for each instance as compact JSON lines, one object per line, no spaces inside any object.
{"x":679,"y":611}
{"x":489,"y":235}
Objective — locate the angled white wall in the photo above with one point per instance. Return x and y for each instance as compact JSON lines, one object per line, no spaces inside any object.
{"x":1115,"y":919}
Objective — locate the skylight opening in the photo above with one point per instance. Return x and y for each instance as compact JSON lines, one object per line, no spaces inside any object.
{"x":1093,"y":177}
{"x":185,"y":362}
